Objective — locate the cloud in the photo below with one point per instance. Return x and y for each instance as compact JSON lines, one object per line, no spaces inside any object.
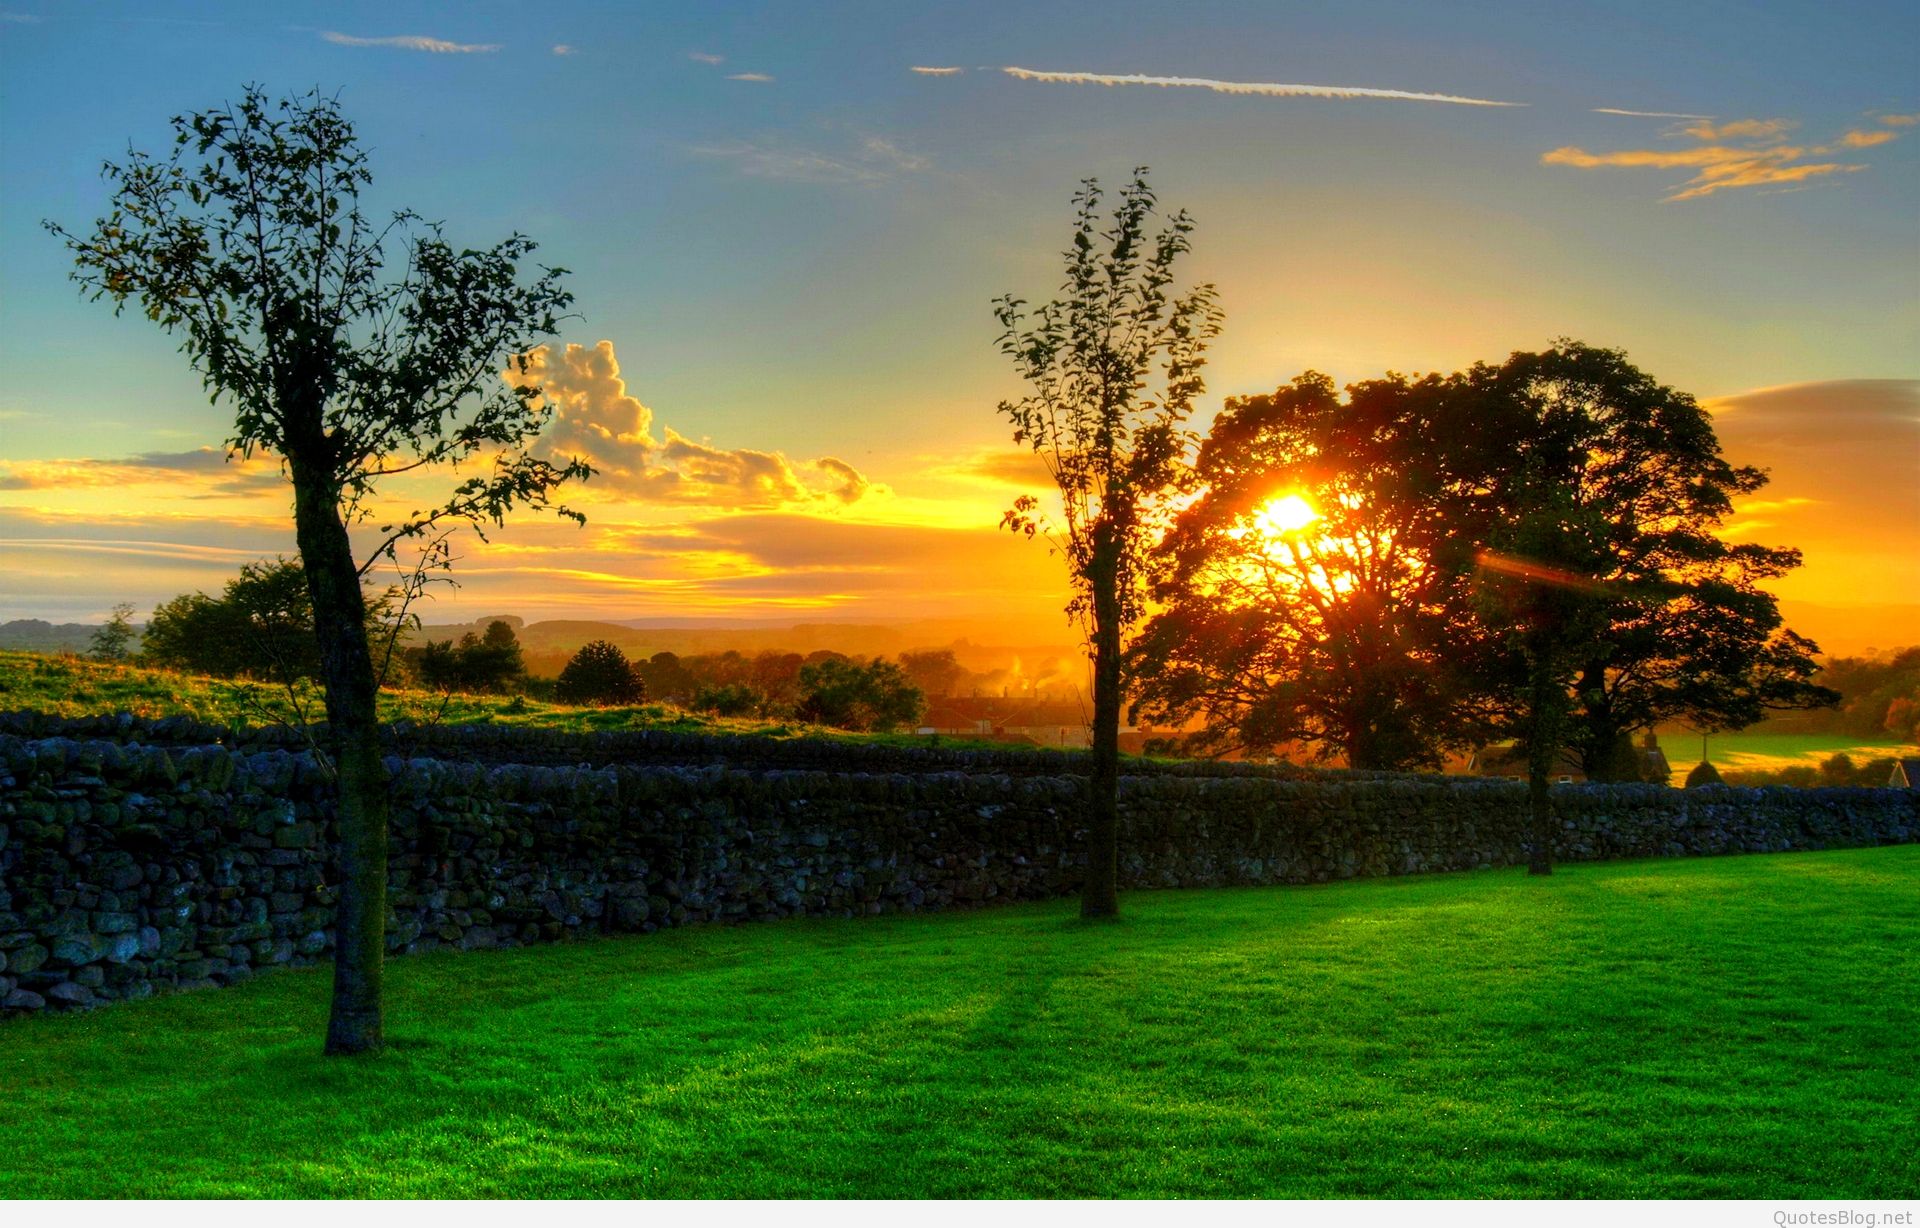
{"x":872,"y":159}
{"x":595,"y":417}
{"x":23,"y":19}
{"x":702,"y":57}
{"x":1648,"y":114}
{"x":1262,"y":88}
{"x":748,"y":76}
{"x":1739,"y":129}
{"x":1021,"y":467}
{"x":1842,"y":457}
{"x":564,"y":49}
{"x":411,"y":42}
{"x":925,"y":71}
{"x":1758,"y":158}
{"x":1866,"y":140}
{"x":1901,"y":121}
{"x":207,"y":469}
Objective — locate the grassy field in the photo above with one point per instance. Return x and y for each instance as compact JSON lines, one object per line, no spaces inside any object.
{"x":1755,"y":751}
{"x":70,"y":686}
{"x":1739,"y":1027}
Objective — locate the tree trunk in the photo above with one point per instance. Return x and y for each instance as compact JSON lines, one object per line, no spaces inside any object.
{"x":1543,"y":749}
{"x":346,"y":669}
{"x":1100,"y":895}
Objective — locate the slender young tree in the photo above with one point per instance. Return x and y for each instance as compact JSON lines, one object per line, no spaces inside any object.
{"x":1113,"y":369}
{"x":355,"y":349}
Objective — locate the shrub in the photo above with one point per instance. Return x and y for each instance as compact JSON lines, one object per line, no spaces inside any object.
{"x":600,"y":674}
{"x":1703,"y":773}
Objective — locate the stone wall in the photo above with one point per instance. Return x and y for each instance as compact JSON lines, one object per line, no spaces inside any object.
{"x":126,"y":868}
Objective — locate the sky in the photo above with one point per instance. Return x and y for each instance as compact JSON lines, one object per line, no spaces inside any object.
{"x":786,"y":224}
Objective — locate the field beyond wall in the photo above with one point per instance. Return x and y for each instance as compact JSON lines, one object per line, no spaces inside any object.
{"x":1729,"y":1027}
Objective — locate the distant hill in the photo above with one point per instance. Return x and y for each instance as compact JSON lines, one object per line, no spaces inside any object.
{"x":39,"y":635}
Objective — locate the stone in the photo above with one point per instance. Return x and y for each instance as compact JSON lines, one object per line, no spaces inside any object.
{"x":22,"y":1000}
{"x":67,"y":993}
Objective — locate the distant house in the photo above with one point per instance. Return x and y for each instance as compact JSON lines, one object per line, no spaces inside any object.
{"x":1906,"y":774}
{"x":1010,"y":718}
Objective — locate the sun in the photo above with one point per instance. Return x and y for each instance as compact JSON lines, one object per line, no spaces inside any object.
{"x":1285,"y":514}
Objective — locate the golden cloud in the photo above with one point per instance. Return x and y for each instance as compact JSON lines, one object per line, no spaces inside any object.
{"x":596,"y":418}
{"x":1761,"y":160}
{"x":211,"y":471}
{"x":1749,"y":129}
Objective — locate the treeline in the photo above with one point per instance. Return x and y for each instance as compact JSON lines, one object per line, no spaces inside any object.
{"x":1880,"y":697}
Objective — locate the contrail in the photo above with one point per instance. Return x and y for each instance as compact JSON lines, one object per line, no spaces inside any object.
{"x":1648,"y":114}
{"x":1268,"y":89}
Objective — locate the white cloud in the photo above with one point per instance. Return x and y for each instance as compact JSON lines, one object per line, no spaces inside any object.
{"x":564,"y":49}
{"x":410,"y":42}
{"x":925,"y":71}
{"x":595,"y":417}
{"x":1261,"y":88}
{"x":704,"y":58}
{"x":871,"y":160}
{"x":1648,"y":114}
{"x":748,"y":76}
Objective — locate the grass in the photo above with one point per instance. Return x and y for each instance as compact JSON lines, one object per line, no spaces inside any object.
{"x":1759,"y":751}
{"x":1740,"y":1027}
{"x":70,"y":686}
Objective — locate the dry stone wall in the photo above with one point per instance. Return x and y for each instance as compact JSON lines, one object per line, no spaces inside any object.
{"x":127,"y":868}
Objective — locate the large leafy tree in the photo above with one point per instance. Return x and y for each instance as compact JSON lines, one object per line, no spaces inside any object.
{"x":1684,"y":631}
{"x":1309,"y":595}
{"x":356,"y":349}
{"x":1113,"y":370}
{"x":1604,"y":566}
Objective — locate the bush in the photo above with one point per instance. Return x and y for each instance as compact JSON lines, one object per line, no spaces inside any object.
{"x":111,"y":641}
{"x":735,"y":699}
{"x":600,"y":674}
{"x":1703,"y":773}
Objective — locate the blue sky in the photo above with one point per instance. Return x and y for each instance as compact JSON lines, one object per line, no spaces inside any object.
{"x":803,"y":265}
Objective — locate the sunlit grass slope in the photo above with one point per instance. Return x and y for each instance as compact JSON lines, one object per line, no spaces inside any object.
{"x":69,"y":686}
{"x":1736,"y":1027}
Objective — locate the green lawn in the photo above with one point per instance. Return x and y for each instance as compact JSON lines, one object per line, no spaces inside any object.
{"x":1740,"y":1027}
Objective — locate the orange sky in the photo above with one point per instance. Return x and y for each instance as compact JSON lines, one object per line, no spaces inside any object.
{"x":683,"y":528}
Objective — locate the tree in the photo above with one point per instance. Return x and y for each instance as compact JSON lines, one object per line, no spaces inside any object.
{"x":935,"y":670}
{"x":600,"y":674}
{"x":1539,"y":593}
{"x":877,"y":696}
{"x":261,"y":626}
{"x":1687,"y":634}
{"x":1308,"y":594}
{"x":1599,"y":505}
{"x":110,"y":641}
{"x":1112,"y":444}
{"x":486,"y":664}
{"x":354,"y":349}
